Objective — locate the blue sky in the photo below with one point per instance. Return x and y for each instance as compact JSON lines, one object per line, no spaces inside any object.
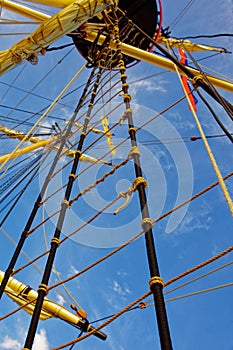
{"x":174,"y":171}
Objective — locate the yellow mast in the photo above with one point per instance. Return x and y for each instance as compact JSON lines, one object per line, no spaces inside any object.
{"x":64,"y":22}
{"x":72,"y":17}
{"x":38,"y":143}
{"x":158,"y":61}
{"x":23,"y":295}
{"x":19,"y":292}
{"x":24,"y":11}
{"x":25,"y":150}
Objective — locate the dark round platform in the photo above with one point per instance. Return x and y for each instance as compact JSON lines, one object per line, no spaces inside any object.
{"x":143,"y":13}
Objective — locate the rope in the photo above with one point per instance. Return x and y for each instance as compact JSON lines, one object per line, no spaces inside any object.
{"x":110,"y":320}
{"x":54,"y":267}
{"x":209,"y":151}
{"x":200,"y":277}
{"x":61,"y":218}
{"x":197,"y":267}
{"x":102,"y":179}
{"x":174,"y":279}
{"x":182,"y":13}
{"x":118,"y":314}
{"x":201,"y":291}
{"x":136,"y":183}
{"x":141,"y":233}
{"x":43,"y":116}
{"x":132,"y":239}
{"x":119,"y":144}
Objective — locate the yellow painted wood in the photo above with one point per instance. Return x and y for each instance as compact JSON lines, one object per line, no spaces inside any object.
{"x":27,"y":149}
{"x":24,"y":11}
{"x":159,"y":61}
{"x":16,"y":289}
{"x":62,"y":23}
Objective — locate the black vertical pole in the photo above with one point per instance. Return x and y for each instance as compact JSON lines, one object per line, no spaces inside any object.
{"x":36,"y":206}
{"x":43,"y":287}
{"x":156,"y":283}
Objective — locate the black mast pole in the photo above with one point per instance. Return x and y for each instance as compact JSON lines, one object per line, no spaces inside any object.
{"x":43,"y":287}
{"x":36,"y":206}
{"x":156,"y":283}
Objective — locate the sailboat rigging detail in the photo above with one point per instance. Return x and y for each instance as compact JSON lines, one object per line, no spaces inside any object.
{"x":95,"y":179}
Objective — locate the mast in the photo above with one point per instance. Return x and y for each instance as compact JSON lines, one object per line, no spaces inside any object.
{"x":64,"y":22}
{"x":156,"y":282}
{"x":139,"y":184}
{"x":55,"y":242}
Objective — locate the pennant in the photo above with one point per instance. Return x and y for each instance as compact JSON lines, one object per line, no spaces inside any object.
{"x":191,"y":98}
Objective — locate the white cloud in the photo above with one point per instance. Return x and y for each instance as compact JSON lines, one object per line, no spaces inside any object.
{"x":200,"y":219}
{"x":122,"y":290}
{"x":122,"y":273}
{"x":9,"y":343}
{"x":73,"y":270}
{"x":60,"y":299}
{"x":181,"y":122}
{"x":41,"y":342}
{"x":148,"y":86}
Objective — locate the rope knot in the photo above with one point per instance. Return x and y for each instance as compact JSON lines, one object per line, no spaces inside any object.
{"x":56,"y":241}
{"x":139,"y":181}
{"x":195,"y":80}
{"x":147,"y":224}
{"x":43,"y":287}
{"x":66,"y":202}
{"x":19,"y":55}
{"x":156,"y":280}
{"x":134,"y":150}
{"x":125,"y":115}
{"x":126,"y":195}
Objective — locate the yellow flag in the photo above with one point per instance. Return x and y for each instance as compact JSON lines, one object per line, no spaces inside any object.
{"x":108,"y":135}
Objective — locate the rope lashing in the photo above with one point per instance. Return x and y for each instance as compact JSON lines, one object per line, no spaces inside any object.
{"x":127,"y":97}
{"x":73,"y":176}
{"x":134,"y":150}
{"x":19,"y":55}
{"x":125,"y":115}
{"x":138,"y":181}
{"x":156,"y":280}
{"x":56,"y":241}
{"x":147,"y":224}
{"x":132,"y":129}
{"x":65,"y":202}
{"x":43,"y":287}
{"x":195,"y":79}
